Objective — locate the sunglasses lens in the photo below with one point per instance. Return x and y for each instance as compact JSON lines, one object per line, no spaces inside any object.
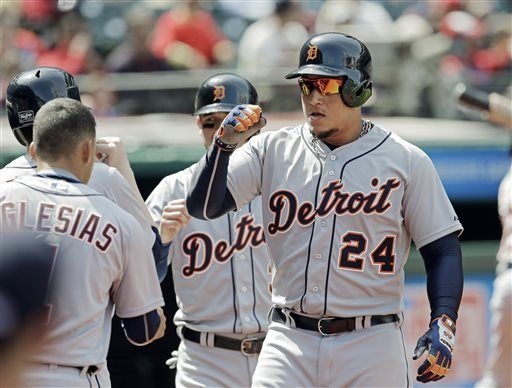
{"x":306,"y":86}
{"x":326,"y":86}
{"x":329,"y":86}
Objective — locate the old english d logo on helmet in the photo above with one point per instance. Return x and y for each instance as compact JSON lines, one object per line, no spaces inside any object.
{"x":222,"y":92}
{"x":219,"y":92}
{"x":312,"y":52}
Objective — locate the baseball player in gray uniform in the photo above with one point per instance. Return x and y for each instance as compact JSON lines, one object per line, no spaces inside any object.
{"x":342,"y":199}
{"x":497,"y":371}
{"x":26,"y":94}
{"x":99,"y":263}
{"x":220,"y":268}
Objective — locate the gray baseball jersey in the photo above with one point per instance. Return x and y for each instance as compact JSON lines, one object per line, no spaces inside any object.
{"x":221,"y":269}
{"x":504,"y":255}
{"x":104,"y":179}
{"x":497,"y":368}
{"x":327,"y":261}
{"x":99,"y":264}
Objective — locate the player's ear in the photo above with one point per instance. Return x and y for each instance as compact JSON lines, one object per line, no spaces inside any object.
{"x":32,"y":151}
{"x":88,"y":150}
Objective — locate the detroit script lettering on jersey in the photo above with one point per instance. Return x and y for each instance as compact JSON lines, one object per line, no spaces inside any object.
{"x":62,"y":220}
{"x":200,"y":249}
{"x":286,"y":209}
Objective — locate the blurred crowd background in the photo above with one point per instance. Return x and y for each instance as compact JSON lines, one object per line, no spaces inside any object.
{"x":149,"y":56}
{"x":137,"y":57}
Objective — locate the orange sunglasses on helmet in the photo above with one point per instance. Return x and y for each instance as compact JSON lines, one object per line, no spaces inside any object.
{"x":326,"y":86}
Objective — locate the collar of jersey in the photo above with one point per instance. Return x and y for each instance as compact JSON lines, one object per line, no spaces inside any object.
{"x":58,"y":173}
{"x":361,"y":144}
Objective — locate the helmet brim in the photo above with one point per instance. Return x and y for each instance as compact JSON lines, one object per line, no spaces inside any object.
{"x":315,"y":70}
{"x":213,"y":108}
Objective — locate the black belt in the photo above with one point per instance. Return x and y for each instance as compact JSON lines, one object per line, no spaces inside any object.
{"x":330,"y":325}
{"x":90,"y":370}
{"x":247,"y":346}
{"x":509,"y":265}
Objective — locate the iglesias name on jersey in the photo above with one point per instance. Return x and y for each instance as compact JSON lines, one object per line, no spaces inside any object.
{"x":104,"y":179}
{"x":99,"y":263}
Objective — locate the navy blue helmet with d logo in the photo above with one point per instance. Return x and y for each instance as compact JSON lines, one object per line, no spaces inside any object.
{"x":29,"y":91}
{"x":222,"y":92}
{"x":336,"y":55}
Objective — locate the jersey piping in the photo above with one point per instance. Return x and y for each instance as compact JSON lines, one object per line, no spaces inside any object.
{"x":334,"y":217}
{"x":253,"y":285}
{"x":232,"y":275}
{"x":60,"y":194}
{"x":314,"y":223}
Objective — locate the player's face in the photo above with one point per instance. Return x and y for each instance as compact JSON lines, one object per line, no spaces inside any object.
{"x":208,"y":125}
{"x":328,"y":117}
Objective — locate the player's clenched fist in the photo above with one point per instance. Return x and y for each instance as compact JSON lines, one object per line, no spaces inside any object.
{"x":174,"y":217}
{"x":439,"y":340}
{"x":110,"y":150}
{"x":239,"y":125}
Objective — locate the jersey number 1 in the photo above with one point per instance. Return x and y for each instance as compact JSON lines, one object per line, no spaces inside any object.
{"x":354,"y":245}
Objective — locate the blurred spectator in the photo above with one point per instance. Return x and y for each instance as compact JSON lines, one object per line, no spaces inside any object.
{"x":19,"y":47}
{"x":73,"y":49}
{"x":101,"y":98}
{"x":134,"y":54}
{"x":498,"y":55}
{"x":365,"y":19}
{"x":188,"y":37}
{"x":25,"y":274}
{"x":38,"y":14}
{"x":274,"y":41}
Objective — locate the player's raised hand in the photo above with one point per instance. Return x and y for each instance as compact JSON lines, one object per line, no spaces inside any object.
{"x":110,"y":150}
{"x":174,"y":217}
{"x":439,"y":340}
{"x":239,"y":125}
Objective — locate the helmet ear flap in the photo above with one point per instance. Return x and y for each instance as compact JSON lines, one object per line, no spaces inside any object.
{"x":23,"y":135}
{"x":356,"y":94}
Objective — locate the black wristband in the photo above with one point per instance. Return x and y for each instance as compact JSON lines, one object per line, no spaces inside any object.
{"x":224,"y":146}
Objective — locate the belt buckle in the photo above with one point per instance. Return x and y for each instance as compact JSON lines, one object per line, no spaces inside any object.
{"x":247,"y":346}
{"x":319,"y":326}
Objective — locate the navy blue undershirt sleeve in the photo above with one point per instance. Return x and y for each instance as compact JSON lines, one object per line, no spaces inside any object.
{"x":142,"y":328}
{"x":445,"y":278}
{"x":208,"y":196}
{"x":160,"y":253}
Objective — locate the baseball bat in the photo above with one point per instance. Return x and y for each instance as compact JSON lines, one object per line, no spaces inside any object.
{"x":494,"y":107}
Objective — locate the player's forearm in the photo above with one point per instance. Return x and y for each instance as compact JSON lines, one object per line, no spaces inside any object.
{"x":445,"y":279}
{"x":144,"y":329}
{"x":208,"y":196}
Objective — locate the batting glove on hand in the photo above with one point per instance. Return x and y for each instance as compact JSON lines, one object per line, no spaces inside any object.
{"x":439,"y":340}
{"x":173,"y":361}
{"x":238,"y":126}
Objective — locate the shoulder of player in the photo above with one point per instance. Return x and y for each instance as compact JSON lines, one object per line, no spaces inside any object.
{"x":291,"y":130}
{"x":267,"y":138}
{"x":400,"y":143}
{"x":21,"y":162}
{"x":7,"y":187}
{"x":102,"y":170}
{"x":177,"y":183}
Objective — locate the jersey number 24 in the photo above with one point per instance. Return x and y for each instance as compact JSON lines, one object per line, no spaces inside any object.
{"x":354,"y":245}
